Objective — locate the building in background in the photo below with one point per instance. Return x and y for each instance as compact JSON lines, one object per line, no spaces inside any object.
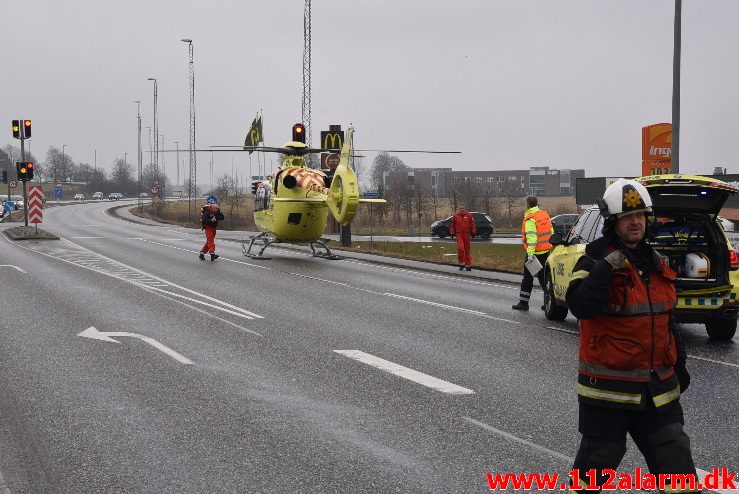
{"x":541,"y":181}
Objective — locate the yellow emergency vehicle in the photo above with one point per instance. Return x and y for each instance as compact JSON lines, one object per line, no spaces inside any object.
{"x":686,"y":229}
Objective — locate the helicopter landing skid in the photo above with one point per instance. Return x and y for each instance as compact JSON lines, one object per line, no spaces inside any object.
{"x":324,"y":255}
{"x":266,"y":242}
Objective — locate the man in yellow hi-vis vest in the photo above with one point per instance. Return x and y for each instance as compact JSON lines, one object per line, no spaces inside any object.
{"x":536,"y":229}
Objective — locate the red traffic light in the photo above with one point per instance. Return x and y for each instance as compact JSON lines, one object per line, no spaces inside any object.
{"x":299,"y":133}
{"x":26,"y":129}
{"x":30,"y":165}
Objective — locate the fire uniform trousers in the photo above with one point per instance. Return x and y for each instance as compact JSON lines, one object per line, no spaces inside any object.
{"x":632,"y":361}
{"x":463,"y":226}
{"x":536,"y":229}
{"x":210,"y":228}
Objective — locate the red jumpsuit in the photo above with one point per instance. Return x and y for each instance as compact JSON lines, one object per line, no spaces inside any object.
{"x":209,"y":220}
{"x":463,"y":226}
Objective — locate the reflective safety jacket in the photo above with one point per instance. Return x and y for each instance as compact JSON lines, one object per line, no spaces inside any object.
{"x":462,"y":224}
{"x":536,"y":229}
{"x":629,"y":342}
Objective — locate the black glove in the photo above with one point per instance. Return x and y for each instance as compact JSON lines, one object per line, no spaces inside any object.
{"x":683,"y":376}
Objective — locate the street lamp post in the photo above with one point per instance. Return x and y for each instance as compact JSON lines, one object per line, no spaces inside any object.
{"x":151,"y":156}
{"x":139,"y":156}
{"x":156,"y":128}
{"x":192,"y":188}
{"x":164,"y":166}
{"x":177,"y":144}
{"x":64,"y":160}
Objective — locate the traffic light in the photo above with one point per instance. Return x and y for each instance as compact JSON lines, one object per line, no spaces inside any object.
{"x":299,"y":133}
{"x":20,"y":168}
{"x":29,"y":171}
{"x":17,"y":129}
{"x":26,"y":129}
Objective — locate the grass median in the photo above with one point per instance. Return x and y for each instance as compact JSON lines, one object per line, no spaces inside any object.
{"x":498,"y":257}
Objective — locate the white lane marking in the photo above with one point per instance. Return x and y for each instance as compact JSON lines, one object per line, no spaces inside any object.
{"x":420,"y":272}
{"x":210,"y":314}
{"x":94,"y":334}
{"x":243,"y":313}
{"x":14,"y":267}
{"x":519,"y":439}
{"x":437,"y":304}
{"x":149,"y":277}
{"x":318,"y":279}
{"x":563,"y":330}
{"x":406,"y":373}
{"x":714,"y":361}
{"x":189,"y":250}
{"x":702,"y":476}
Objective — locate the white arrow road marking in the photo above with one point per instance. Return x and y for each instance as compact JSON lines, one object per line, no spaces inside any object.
{"x":11,"y":266}
{"x":405,"y":372}
{"x":94,"y":334}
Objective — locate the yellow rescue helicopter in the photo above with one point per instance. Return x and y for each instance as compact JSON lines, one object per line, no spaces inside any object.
{"x":292,"y":205}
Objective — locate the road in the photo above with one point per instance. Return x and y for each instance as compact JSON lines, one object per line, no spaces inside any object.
{"x":294,"y":374}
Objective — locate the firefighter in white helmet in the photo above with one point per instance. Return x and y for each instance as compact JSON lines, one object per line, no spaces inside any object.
{"x":632,"y":359}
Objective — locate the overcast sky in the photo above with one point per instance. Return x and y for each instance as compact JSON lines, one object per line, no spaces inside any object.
{"x":510,"y":83}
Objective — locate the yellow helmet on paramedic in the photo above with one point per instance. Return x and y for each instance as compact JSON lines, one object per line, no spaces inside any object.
{"x":624,"y":197}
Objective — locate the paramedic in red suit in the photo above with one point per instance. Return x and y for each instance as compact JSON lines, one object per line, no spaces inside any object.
{"x":463,"y":227}
{"x":211,"y":214}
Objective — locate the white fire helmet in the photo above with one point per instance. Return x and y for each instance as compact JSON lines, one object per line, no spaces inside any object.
{"x":624,"y":197}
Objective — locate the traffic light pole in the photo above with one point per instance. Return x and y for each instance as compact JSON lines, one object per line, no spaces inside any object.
{"x":25,"y":195}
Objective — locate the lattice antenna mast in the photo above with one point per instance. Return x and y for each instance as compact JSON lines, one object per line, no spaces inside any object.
{"x":306,"y":72}
{"x":192,"y":187}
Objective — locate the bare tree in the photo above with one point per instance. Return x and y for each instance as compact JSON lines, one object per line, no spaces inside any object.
{"x":58,"y":165}
{"x":382,"y":163}
{"x":122,"y":176}
{"x":511,"y":193}
{"x":229,"y":195}
{"x":420,"y":198}
{"x":435,"y":202}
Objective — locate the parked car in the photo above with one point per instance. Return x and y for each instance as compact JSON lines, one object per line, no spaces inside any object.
{"x":483,"y":224}
{"x":563,"y":222}
{"x":115,"y":196}
{"x":79,"y":197}
{"x":143,"y":195}
{"x":684,"y":228}
{"x":98,"y":196}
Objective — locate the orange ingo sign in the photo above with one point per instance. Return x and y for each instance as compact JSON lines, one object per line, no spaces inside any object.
{"x":656,"y":154}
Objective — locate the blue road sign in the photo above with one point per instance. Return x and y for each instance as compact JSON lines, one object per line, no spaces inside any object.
{"x":211,"y":200}
{"x":370,"y":195}
{"x":57,"y":193}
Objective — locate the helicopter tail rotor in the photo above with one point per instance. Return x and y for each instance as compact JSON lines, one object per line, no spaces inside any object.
{"x":343,"y":197}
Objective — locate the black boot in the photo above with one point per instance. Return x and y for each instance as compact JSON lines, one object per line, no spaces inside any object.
{"x":521,"y":305}
{"x":468,"y":268}
{"x":201,"y":257}
{"x":461,"y":267}
{"x":213,"y":257}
